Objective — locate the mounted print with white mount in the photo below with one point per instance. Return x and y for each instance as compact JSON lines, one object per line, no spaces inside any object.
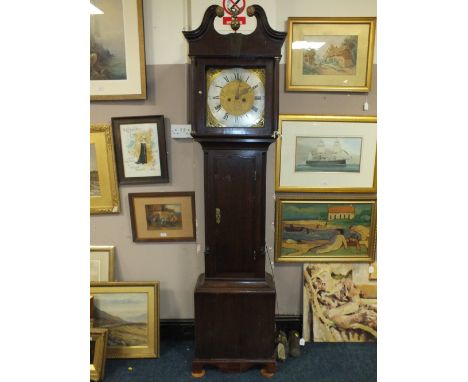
{"x":234,"y":112}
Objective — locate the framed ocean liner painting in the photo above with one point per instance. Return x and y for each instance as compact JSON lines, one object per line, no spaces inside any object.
{"x":140,"y":149}
{"x":324,"y":153}
{"x":330,"y":54}
{"x":117,"y":51}
{"x":326,"y":228}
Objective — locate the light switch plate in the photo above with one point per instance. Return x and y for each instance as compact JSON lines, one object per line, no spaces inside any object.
{"x":181,"y":131}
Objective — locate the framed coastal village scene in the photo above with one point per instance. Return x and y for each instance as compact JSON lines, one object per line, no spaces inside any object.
{"x":325,"y":229}
{"x":325,"y":153}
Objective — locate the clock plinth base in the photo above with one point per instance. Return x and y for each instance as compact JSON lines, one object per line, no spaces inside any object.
{"x":235,"y":324}
{"x":234,"y":366}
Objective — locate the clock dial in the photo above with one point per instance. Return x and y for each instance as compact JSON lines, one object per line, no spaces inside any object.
{"x":235,"y":97}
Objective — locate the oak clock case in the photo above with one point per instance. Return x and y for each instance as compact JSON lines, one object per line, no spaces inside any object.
{"x":233,"y":112}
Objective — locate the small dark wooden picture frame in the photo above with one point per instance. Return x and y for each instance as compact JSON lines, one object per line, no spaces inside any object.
{"x":140,"y":149}
{"x":163,"y":216}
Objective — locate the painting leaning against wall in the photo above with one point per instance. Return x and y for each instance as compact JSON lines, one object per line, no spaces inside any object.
{"x":340,"y":304}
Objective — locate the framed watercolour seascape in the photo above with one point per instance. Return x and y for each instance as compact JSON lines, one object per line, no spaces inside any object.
{"x":323,"y":153}
{"x":325,"y":229}
{"x":104,"y":191}
{"x":330,"y":54}
{"x":130,"y":312}
{"x":102,"y":263}
{"x":140,"y":149}
{"x":163,"y":216}
{"x":117,"y":54}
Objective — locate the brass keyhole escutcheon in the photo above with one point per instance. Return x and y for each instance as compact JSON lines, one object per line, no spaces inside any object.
{"x":218,"y":216}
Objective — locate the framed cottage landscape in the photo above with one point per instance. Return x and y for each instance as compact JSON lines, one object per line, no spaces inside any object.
{"x":323,"y":153}
{"x":163,"y":216}
{"x":330,"y":54}
{"x":325,"y":228}
{"x":104,"y":191}
{"x":140,"y":149}
{"x":130,"y":312}
{"x":117,"y":54}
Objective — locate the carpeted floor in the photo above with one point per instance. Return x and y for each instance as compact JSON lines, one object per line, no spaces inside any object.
{"x":319,"y":362}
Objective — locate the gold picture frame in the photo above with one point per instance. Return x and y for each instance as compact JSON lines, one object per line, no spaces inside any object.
{"x":98,"y":348}
{"x":130,"y":310}
{"x":326,"y":153}
{"x":330,"y":54}
{"x":373,"y":271}
{"x":102,"y":263}
{"x":326,"y":228}
{"x":104,"y":192}
{"x":117,"y":55}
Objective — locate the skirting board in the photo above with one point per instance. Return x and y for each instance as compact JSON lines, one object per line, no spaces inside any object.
{"x":183,"y":329}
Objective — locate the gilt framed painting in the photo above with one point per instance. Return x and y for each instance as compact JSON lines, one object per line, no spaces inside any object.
{"x":330,"y":54}
{"x":326,"y":228}
{"x":163,"y":216}
{"x":102,"y":263}
{"x":140,"y":149}
{"x":324,"y":153}
{"x":97,"y":353}
{"x":117,"y":50}
{"x":104,"y":191}
{"x":130,"y":312}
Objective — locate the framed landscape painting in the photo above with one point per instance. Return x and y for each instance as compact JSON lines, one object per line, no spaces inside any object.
{"x":117,"y":56}
{"x":104,"y":191}
{"x":325,"y":229}
{"x":130,"y":312}
{"x":163,"y":216}
{"x":324,"y":153}
{"x":102,"y":263}
{"x":330,"y":54}
{"x":140,"y":149}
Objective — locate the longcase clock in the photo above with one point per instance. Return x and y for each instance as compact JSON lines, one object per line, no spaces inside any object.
{"x":234,"y":112}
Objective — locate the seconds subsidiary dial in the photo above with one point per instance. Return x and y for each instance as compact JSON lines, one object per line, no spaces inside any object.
{"x":236,"y":97}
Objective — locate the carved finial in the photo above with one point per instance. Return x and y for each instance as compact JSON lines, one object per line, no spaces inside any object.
{"x":219,"y":11}
{"x":235,"y":24}
{"x":250,"y":10}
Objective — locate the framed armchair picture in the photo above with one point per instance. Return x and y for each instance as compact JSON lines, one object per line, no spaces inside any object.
{"x":104,"y":191}
{"x":117,"y":54}
{"x":140,"y":149}
{"x":330,"y":54}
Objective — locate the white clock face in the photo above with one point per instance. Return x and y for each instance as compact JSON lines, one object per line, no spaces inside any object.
{"x":236,"y":97}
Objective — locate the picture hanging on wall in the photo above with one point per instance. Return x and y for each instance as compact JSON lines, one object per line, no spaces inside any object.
{"x":104,"y":192}
{"x":140,"y":149}
{"x":325,"y":229}
{"x":130,"y":311}
{"x":117,"y":57}
{"x":163,"y":216}
{"x":340,"y":304}
{"x":330,"y":54}
{"x":102,"y":263}
{"x":325,"y":153}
